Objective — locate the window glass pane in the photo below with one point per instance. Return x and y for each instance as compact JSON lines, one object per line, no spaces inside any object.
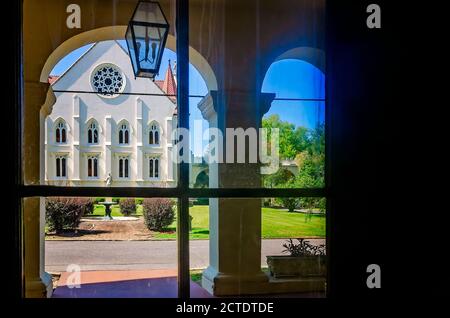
{"x":88,"y":84}
{"x":63,"y":167}
{"x":257,"y":94}
{"x":58,"y":167}
{"x":275,"y":241}
{"x":151,"y":168}
{"x":78,"y":236}
{"x":95,"y":168}
{"x":89,"y":167}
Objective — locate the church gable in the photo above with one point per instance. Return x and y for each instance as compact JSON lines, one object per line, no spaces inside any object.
{"x":83,"y":74}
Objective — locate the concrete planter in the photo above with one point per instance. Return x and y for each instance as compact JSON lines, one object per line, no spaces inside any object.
{"x":297,"y":266}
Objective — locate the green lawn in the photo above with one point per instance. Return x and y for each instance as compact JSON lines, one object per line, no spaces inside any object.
{"x":99,"y":210}
{"x":276,"y":223}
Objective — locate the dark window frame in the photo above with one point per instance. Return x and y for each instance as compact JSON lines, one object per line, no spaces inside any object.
{"x":182,"y":192}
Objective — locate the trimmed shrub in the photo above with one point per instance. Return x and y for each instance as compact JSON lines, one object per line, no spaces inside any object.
{"x":115,"y":200}
{"x":65,"y":213}
{"x":158,"y":213}
{"x":139,"y":200}
{"x":127,"y":206}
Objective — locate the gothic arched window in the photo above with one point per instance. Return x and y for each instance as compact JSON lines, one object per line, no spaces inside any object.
{"x":61,"y":132}
{"x":61,"y":171}
{"x":92,"y":166}
{"x":92,"y":133}
{"x":153,"y":134}
{"x":153,"y":168}
{"x":123,"y":167}
{"x":124,"y":133}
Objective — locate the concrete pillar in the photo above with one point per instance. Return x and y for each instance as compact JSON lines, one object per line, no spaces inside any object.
{"x":38,"y":100}
{"x":235,"y":224}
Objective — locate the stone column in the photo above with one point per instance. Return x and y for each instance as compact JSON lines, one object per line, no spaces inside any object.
{"x":38,"y":100}
{"x":235,"y":224}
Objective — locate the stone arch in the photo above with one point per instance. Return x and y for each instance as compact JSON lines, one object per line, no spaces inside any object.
{"x":160,"y":128}
{"x":61,"y":120}
{"x":202,"y":179}
{"x":92,"y":119}
{"x":311,"y":55}
{"x":118,"y":33}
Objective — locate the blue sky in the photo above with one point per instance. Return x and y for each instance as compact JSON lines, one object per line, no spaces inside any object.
{"x":286,"y":78}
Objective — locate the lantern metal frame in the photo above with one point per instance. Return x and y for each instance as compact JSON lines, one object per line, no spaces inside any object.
{"x":142,"y":72}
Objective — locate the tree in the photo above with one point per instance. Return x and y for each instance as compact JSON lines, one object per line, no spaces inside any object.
{"x":307,"y":146}
{"x":311,"y":165}
{"x":292,"y":139}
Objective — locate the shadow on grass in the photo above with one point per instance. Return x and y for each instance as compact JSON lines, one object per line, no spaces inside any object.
{"x":76,"y":233}
{"x":200,"y":231}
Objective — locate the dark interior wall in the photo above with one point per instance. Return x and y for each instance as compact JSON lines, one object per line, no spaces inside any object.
{"x":364,"y":113}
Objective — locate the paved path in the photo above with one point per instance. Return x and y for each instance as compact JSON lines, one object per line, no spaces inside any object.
{"x":135,"y":255}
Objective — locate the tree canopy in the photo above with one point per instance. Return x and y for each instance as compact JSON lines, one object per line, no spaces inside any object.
{"x":307,"y":148}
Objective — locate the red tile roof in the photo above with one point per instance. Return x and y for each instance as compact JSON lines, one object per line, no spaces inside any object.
{"x":52,"y":79}
{"x":169,"y":85}
{"x":160,"y":84}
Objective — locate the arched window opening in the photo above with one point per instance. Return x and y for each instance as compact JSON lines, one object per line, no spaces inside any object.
{"x":124,"y":138}
{"x":298,"y":112}
{"x":153,"y":168}
{"x":123,"y":167}
{"x":153,"y":135}
{"x":60,"y":133}
{"x":93,"y":167}
{"x":61,"y":171}
{"x":93,"y":133}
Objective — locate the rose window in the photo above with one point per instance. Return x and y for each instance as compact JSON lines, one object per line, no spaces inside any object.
{"x":108,"y":80}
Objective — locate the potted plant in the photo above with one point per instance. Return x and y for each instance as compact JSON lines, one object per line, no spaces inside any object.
{"x":305,"y":260}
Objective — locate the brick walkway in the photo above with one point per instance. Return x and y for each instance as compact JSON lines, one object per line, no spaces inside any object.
{"x":124,"y":284}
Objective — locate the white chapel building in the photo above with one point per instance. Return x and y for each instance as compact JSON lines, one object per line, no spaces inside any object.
{"x":101,"y":126}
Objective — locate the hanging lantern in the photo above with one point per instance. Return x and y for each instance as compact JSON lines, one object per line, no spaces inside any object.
{"x":146,"y":38}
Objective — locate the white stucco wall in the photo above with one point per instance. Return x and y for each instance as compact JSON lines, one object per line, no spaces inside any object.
{"x":78,"y":109}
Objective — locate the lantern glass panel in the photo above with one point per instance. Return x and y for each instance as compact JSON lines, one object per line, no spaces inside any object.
{"x":131,"y":50}
{"x":149,"y":12}
{"x":148,"y":41}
